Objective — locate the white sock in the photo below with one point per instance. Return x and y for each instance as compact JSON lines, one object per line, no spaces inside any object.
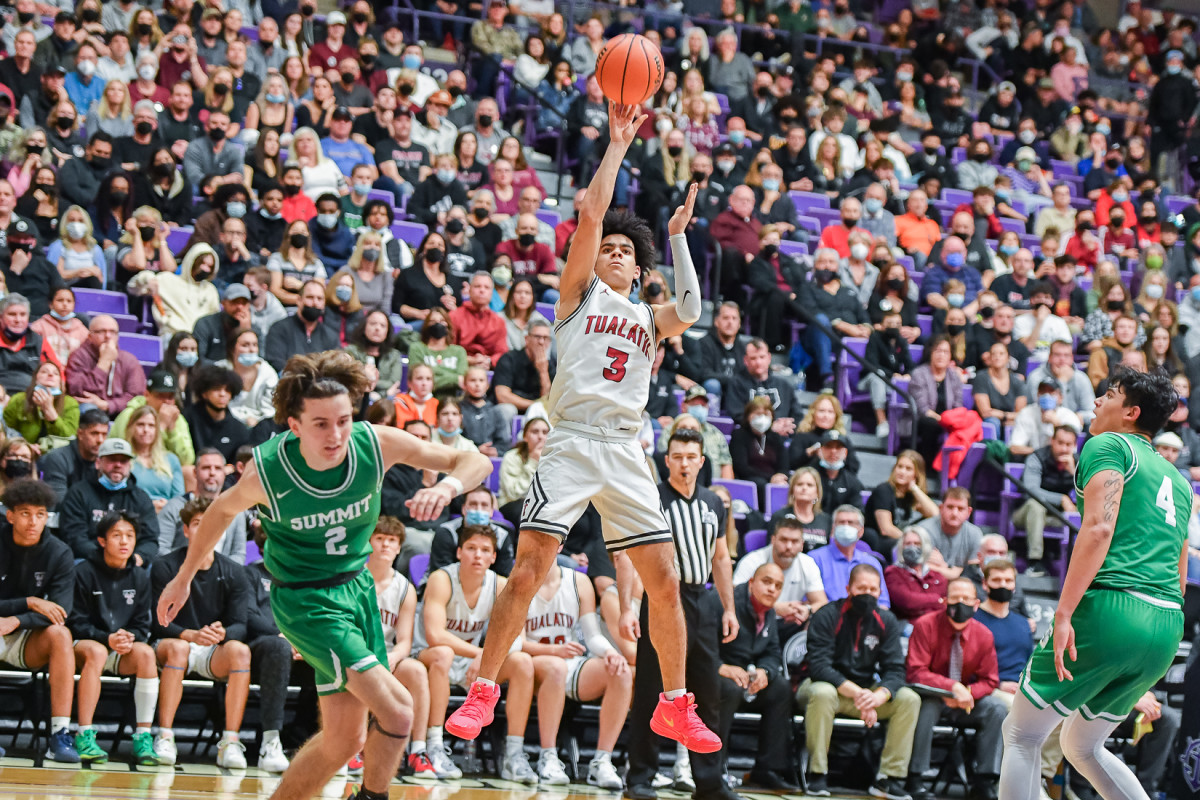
{"x":551,"y":750}
{"x":59,"y":723}
{"x":270,"y":736}
{"x":671,"y":695}
{"x":230,"y":736}
{"x":166,"y":733}
{"x":433,"y":737}
{"x":514,"y":746}
{"x":602,"y":755}
{"x":1083,"y":745}
{"x":416,"y":746}
{"x":1025,"y":731}
{"x":145,"y":699}
{"x":486,"y":682}
{"x":682,"y":757}
{"x":83,"y":728}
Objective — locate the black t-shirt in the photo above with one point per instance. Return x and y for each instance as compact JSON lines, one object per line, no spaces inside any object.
{"x":516,"y":371}
{"x":409,"y":158}
{"x":816,"y":532}
{"x":369,"y":128}
{"x":465,"y":261}
{"x":126,"y":150}
{"x":1005,"y":287}
{"x":413,"y":288}
{"x":903,"y":509}
{"x":172,"y":130}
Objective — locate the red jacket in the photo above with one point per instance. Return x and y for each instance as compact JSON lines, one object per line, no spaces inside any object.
{"x":929,"y":655}
{"x":963,"y":429}
{"x":837,"y":237}
{"x":914,"y":595}
{"x":732,"y":231}
{"x":562,"y":234}
{"x":480,"y":331}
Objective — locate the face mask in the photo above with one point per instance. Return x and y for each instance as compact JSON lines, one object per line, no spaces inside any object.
{"x":1153,"y":290}
{"x":144,"y":128}
{"x":438,"y":330}
{"x":911,"y":556}
{"x":864,"y":604}
{"x":768,"y":251}
{"x":824,"y":276}
{"x":960,"y":612}
{"x":897,"y":284}
{"x":25,"y":17}
{"x":311,"y":313}
{"x":1120,"y":197}
{"x":956,"y":300}
{"x":65,"y":123}
{"x":405,"y":89}
{"x":87,"y":68}
{"x":275,"y":98}
{"x":481,"y":214}
{"x":1174,"y":69}
{"x":290,"y":190}
{"x":1024,"y":164}
{"x":1116,"y":305}
{"x":859,"y":252}
{"x":327,"y":221}
{"x":760,"y":423}
{"x":434,"y":255}
{"x":62,"y":317}
{"x":502,"y":276}
{"x":1027,"y":136}
{"x":955,"y":330}
{"x":954,"y":261}
{"x":1196,"y":293}
{"x":455,"y":226}
{"x":873,"y":205}
{"x":147,"y":72}
{"x":101,"y":163}
{"x":845,"y":535}
{"x":112,"y":487}
{"x":1104,"y":129}
{"x":726,"y":166}
{"x":446,"y":175}
{"x":370,"y":254}
{"x":770,"y":184}
{"x":1046,"y":402}
{"x":236,"y":209}
{"x":485,"y":120}
{"x":298,"y":240}
{"x":699,"y":413}
{"x":980,"y":157}
{"x":362,"y":188}
{"x":247,"y":359}
{"x":412,"y":61}
{"x":527,"y":239}
{"x":76,"y":230}
{"x":449,"y":434}
{"x":737,"y":137}
{"x":477,"y":517}
{"x":217,"y":135}
{"x":1000,"y":594}
{"x":849,"y":223}
{"x":1008,"y":249}
{"x":343,"y":293}
{"x":832,"y":465}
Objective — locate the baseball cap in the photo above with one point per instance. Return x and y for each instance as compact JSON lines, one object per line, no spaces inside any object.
{"x":343,"y":113}
{"x":212,"y":13}
{"x":1050,"y":384}
{"x":115,"y":447}
{"x":180,"y":40}
{"x":1168,"y":439}
{"x":1007,"y":86}
{"x":1026,"y":153}
{"x":1046,"y":83}
{"x":1175,"y":55}
{"x":441,"y":97}
{"x":725,"y":149}
{"x":237,"y":291}
{"x":697,"y":391}
{"x":64,"y":16}
{"x":335,"y":18}
{"x":20,"y":228}
{"x":833,"y":437}
{"x":162,"y":381}
{"x":783,"y":70}
{"x":58,"y":71}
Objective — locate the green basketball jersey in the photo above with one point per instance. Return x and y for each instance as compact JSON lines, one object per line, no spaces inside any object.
{"x":319,"y":524}
{"x":1151,"y":527}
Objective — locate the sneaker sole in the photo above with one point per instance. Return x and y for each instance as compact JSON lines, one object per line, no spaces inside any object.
{"x":668,"y":732}
{"x":461,"y":732}
{"x":555,"y":782}
{"x":50,"y":757}
{"x":612,"y":787}
{"x":883,"y":795}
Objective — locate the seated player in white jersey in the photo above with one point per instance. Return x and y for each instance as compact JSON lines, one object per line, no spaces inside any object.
{"x":590,"y":669}
{"x":458,"y":604}
{"x":397,"y":613}
{"x":606,"y":351}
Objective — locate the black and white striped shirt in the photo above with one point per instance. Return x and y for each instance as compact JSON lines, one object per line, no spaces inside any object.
{"x":696,"y":524}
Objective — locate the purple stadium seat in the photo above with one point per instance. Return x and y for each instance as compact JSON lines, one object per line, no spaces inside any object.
{"x":777,"y":498}
{"x":755,"y":540}
{"x":411,"y":233}
{"x":803,"y":201}
{"x":788,"y":247}
{"x":746,"y":491}
{"x":148,"y":349}
{"x":723,"y":424}
{"x":177,"y":239}
{"x":493,"y":480}
{"x":549,"y":216}
{"x":99,"y":301}
{"x":127,"y":323}
{"x":418,"y":565}
{"x":546,"y":310}
{"x":1014,"y":225}
{"x":956,"y":197}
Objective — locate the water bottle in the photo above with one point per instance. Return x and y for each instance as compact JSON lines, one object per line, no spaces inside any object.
{"x":471,"y":765}
{"x":751,"y":671}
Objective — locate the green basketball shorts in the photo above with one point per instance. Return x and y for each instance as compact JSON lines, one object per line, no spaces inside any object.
{"x":334,"y":628}
{"x":1125,"y":643}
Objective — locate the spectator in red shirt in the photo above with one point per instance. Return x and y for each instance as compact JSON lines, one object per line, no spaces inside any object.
{"x":1149,"y":229}
{"x":838,"y":236}
{"x":566,"y":229}
{"x":915,"y":589}
{"x":181,"y":62}
{"x":1084,"y":246}
{"x":736,"y":230}
{"x":327,"y":53}
{"x":296,"y":204}
{"x":951,"y":652}
{"x":1118,"y":238}
{"x":532,"y":259}
{"x":478,"y":329}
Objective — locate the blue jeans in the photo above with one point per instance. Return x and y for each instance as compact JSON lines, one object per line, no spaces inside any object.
{"x":819,"y":346}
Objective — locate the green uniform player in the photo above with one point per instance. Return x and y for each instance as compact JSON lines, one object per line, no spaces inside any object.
{"x":317,"y":490}
{"x":1120,"y":618}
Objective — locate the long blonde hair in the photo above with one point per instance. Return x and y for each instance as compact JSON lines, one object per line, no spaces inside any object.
{"x":158,"y":451}
{"x":106,"y":111}
{"x":806,"y":425}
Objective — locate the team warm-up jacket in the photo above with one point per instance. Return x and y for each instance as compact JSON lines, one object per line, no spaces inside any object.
{"x":108,"y":600}
{"x":219,"y":594}
{"x":843,"y":646}
{"x":259,"y":621}
{"x":45,"y":570}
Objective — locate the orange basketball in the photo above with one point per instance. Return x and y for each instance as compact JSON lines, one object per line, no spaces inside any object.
{"x":629,"y":69}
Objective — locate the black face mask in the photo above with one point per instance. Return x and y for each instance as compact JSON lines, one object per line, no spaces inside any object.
{"x":48,"y":188}
{"x":455,"y":92}
{"x":434,"y":255}
{"x":65,"y":123}
{"x":849,"y":223}
{"x":308,"y":11}
{"x":980,"y":157}
{"x":220,"y":89}
{"x":119,"y":198}
{"x":1000,"y":594}
{"x":674,"y":151}
{"x":897,"y":284}
{"x":311,"y":314}
{"x":405,"y":89}
{"x":145,"y":30}
{"x":763,"y":91}
{"x":100,"y":162}
{"x":1117,"y":221}
{"x":90,"y":15}
{"x":216,"y":135}
{"x":987,"y":312}
{"x":290,"y":190}
{"x":25,"y":17}
{"x":891,"y":334}
{"x":960,"y":612}
{"x":1116,"y":305}
{"x":455,"y":226}
{"x":769,"y":250}
{"x":16,"y":468}
{"x":955,"y":330}
{"x":438,"y":330}
{"x":143,"y":128}
{"x":147,"y":233}
{"x":699,"y":177}
{"x":367,"y":59}
{"x":359,"y":17}
{"x":526,"y":239}
{"x":1148,"y":219}
{"x":931,"y":151}
{"x":164,"y":170}
{"x":863,"y":604}
{"x":1112,"y":163}
{"x":481,"y":214}
{"x":298,"y":240}
{"x":347,"y":77}
{"x":824,"y":276}
{"x":485,"y":120}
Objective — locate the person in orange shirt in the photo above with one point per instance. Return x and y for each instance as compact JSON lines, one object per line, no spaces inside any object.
{"x":296,"y":204}
{"x":915,"y":232}
{"x":418,"y":401}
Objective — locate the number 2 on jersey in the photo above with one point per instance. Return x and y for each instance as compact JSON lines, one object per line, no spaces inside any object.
{"x":332,"y":538}
{"x":616,"y":370}
{"x":1165,"y":501}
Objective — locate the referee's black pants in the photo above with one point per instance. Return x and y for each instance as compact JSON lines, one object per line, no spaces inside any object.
{"x":702,"y":614}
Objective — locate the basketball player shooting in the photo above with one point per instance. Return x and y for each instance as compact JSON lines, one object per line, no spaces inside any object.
{"x":317,"y":491}
{"x":606,"y":349}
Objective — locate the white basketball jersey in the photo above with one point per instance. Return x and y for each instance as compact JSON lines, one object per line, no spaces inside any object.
{"x":605,"y":355}
{"x":463,"y":621}
{"x":390,"y":601}
{"x":553,"y":621}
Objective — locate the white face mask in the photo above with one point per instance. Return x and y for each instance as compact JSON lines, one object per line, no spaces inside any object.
{"x":760,"y":423}
{"x":859,"y":252}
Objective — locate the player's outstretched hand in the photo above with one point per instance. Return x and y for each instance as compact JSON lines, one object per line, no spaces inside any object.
{"x":624,"y":122}
{"x":428,"y":503}
{"x":683,"y":214}
{"x":172,"y":599}
{"x":1064,"y":642}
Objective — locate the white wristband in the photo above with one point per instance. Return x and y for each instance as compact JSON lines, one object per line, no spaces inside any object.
{"x":454,"y":483}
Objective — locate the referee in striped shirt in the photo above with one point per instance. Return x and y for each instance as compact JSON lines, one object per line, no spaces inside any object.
{"x":697,"y":519}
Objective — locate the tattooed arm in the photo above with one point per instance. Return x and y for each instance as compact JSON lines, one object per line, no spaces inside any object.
{"x":1102,"y":504}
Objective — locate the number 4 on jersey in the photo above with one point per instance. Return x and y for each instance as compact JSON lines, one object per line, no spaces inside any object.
{"x":1166,"y":501}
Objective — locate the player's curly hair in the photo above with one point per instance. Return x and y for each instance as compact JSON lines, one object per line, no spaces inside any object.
{"x":317,"y":376}
{"x":1152,"y":391}
{"x":28,"y":492}
{"x":629,"y":224}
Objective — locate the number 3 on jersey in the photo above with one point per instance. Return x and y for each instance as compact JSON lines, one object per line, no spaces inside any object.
{"x":616,"y":370}
{"x":1166,"y":500}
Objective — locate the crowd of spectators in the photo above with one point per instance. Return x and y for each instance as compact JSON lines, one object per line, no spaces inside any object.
{"x":991,"y":202}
